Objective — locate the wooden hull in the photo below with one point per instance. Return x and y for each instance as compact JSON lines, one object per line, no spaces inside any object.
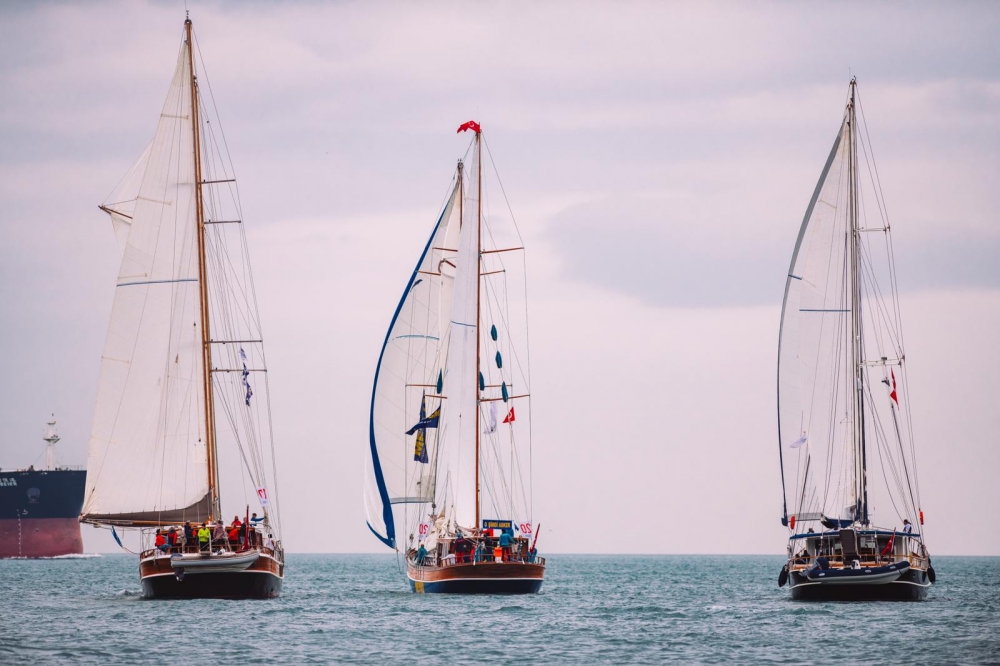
{"x":262,"y":580}
{"x":911,"y":586}
{"x":482,"y":578}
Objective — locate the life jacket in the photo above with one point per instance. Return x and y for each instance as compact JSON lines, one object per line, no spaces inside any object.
{"x":204,"y":534}
{"x":160,"y":540}
{"x":234,"y":534}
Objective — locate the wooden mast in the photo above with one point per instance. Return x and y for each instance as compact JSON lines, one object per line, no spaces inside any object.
{"x":206,"y":349}
{"x":479,"y":278}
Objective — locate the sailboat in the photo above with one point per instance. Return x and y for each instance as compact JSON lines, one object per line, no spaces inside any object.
{"x":448,"y":484}
{"x":845,"y":429}
{"x":184,"y":345}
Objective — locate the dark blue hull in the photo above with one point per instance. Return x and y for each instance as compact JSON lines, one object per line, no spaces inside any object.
{"x":40,"y":512}
{"x":34,"y":494}
{"x":227,"y":585}
{"x":478,"y":586}
{"x":911,"y":586}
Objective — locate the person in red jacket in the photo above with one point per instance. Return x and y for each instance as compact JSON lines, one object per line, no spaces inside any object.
{"x":161,"y":542}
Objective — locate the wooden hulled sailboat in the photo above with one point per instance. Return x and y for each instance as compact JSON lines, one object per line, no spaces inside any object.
{"x":444,"y":463}
{"x":184,"y":343}
{"x":842,"y":399}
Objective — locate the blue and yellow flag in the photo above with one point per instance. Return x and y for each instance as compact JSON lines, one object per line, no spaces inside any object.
{"x":420,"y":448}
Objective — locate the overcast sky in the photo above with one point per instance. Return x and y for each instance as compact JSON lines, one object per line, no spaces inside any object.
{"x":658,"y":157}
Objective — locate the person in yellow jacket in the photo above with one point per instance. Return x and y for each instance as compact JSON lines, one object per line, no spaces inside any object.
{"x":204,"y":536}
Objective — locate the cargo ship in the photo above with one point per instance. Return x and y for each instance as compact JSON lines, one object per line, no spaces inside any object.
{"x":40,"y":508}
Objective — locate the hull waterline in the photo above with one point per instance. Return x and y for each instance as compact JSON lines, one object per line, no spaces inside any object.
{"x":481,"y":578}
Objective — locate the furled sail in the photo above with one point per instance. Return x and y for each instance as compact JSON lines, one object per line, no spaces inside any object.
{"x":407,"y":374}
{"x":148,"y":457}
{"x":814,"y":352}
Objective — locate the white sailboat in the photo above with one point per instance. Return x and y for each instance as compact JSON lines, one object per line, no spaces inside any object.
{"x":184,"y":347}
{"x":843,"y":408}
{"x":447,"y":485}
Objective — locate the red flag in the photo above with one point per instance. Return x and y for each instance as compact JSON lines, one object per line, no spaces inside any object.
{"x":471,"y":125}
{"x":888,"y":546}
{"x":510,"y":416}
{"x":893,"y":394}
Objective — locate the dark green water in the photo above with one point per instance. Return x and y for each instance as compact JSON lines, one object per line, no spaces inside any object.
{"x":357,"y":608}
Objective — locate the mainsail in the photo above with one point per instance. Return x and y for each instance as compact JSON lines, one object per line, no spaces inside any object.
{"x":457,"y":466}
{"x":148,"y":457}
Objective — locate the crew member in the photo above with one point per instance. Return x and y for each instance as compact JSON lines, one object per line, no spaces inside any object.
{"x":204,"y":537}
{"x":505,"y":543}
{"x":161,"y":542}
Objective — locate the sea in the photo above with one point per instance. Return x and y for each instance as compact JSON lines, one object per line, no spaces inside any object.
{"x":704,"y":609}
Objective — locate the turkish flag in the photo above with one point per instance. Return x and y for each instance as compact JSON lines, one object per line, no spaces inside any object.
{"x":510,"y":416}
{"x":471,"y":125}
{"x":888,"y":546}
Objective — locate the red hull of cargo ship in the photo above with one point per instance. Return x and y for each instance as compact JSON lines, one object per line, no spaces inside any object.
{"x":40,"y":537}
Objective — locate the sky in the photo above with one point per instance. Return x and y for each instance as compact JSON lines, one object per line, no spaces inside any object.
{"x":658,"y":158}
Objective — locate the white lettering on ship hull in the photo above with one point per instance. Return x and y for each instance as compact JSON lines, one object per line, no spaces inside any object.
{"x":6,"y":481}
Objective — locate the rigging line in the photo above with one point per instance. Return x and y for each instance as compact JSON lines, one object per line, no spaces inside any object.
{"x":884,"y":443}
{"x":891,"y":323}
{"x":503,"y":191}
{"x":894,"y":286}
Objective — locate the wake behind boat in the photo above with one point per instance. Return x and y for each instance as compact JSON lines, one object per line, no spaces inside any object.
{"x":842,"y":395}
{"x":449,"y":434}
{"x":185,"y":342}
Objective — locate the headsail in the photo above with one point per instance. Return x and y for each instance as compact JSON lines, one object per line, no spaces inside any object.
{"x":813,"y":384}
{"x":408,"y":368}
{"x":148,"y":457}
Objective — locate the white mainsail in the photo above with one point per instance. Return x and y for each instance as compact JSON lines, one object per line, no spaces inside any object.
{"x":148,"y":456}
{"x":408,"y":369}
{"x":457,"y":466}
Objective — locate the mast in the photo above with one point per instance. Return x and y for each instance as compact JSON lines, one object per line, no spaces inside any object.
{"x":857,"y":350}
{"x":479,"y":278}
{"x":206,"y":350}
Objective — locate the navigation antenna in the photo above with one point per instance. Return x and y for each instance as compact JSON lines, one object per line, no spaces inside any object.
{"x":50,"y":443}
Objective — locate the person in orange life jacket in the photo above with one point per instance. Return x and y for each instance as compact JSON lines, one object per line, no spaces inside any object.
{"x":161,"y":542}
{"x":234,"y":535}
